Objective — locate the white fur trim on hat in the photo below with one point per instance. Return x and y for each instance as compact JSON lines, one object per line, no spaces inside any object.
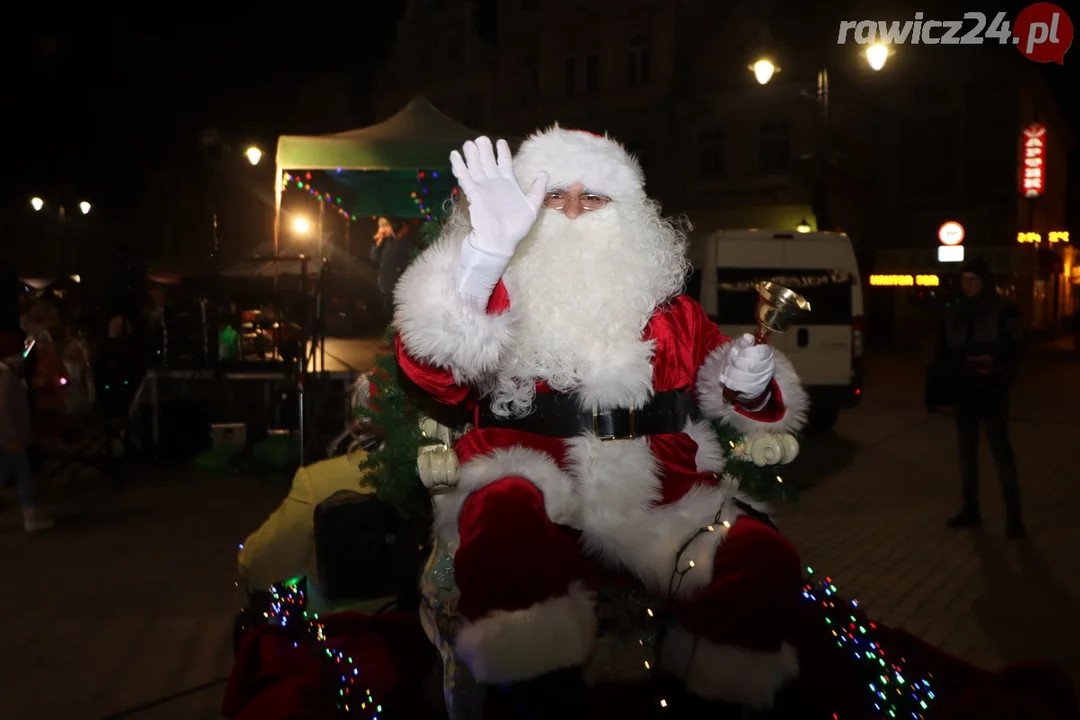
{"x":569,"y":157}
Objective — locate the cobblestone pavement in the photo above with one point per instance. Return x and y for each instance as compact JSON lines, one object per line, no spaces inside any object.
{"x":131,"y":600}
{"x":877,"y":493}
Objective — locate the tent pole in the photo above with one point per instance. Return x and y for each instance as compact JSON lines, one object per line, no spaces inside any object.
{"x":278,"y":189}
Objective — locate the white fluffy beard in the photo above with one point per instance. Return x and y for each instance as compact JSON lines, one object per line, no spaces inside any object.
{"x":580,"y":289}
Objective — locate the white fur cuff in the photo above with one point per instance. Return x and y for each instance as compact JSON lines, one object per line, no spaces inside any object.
{"x":711,"y":396}
{"x":725,"y":672}
{"x":505,"y":647}
{"x":438,"y":326}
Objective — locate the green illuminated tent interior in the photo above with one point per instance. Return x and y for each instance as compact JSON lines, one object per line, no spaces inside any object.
{"x":398,"y":167}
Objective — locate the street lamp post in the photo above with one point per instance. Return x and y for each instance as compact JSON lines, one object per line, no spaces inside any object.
{"x":764,"y":70}
{"x":227,"y":154}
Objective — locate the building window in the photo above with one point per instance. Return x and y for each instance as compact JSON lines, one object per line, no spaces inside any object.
{"x":774,"y":147}
{"x":571,"y":76}
{"x":710,"y":152}
{"x":592,"y":74}
{"x":637,"y":61}
{"x":530,"y":80}
{"x":472,"y":112}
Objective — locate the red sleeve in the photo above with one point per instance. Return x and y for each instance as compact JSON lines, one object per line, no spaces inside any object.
{"x":439,"y":382}
{"x":704,"y":337}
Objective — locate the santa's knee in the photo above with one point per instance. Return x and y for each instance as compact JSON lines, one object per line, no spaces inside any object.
{"x":733,"y":641}
{"x":527,"y":613}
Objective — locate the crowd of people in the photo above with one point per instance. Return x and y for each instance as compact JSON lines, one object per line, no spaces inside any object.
{"x":47,"y":392}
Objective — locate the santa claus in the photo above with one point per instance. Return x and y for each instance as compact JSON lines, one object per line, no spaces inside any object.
{"x":552,"y":305}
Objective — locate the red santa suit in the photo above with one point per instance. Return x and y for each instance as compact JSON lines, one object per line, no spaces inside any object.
{"x":538,"y":522}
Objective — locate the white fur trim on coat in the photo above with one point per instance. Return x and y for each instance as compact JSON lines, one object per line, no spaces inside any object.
{"x":601,"y":164}
{"x":710,"y":457}
{"x":713,"y":405}
{"x":610,"y":492}
{"x":505,"y":647}
{"x":621,"y":523}
{"x":560,"y":500}
{"x":439,"y":327}
{"x":726,"y":672}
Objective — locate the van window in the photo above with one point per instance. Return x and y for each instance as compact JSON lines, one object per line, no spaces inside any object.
{"x":828,"y":292}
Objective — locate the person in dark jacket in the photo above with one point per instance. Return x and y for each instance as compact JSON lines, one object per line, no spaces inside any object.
{"x":391,"y":252}
{"x":979,"y":349}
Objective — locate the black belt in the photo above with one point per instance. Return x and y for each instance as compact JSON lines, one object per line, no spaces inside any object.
{"x":560,"y":415}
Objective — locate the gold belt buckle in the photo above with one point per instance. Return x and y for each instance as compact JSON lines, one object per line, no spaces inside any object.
{"x":605,"y":438}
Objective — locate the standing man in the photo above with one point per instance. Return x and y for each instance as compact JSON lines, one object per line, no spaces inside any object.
{"x":979,"y":347}
{"x":391,"y":254}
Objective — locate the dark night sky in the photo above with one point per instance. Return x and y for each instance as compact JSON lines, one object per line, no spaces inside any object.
{"x":101,"y":99}
{"x":95,"y":101}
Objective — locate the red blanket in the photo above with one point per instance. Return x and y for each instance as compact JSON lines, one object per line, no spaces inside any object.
{"x":279,"y":675}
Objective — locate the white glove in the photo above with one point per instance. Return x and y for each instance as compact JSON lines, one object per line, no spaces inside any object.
{"x":749,"y":368}
{"x":502,"y":215}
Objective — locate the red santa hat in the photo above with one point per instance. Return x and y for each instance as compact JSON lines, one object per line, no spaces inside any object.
{"x":599,"y":163}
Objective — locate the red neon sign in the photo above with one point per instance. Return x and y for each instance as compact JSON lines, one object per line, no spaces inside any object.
{"x":1033,"y":161}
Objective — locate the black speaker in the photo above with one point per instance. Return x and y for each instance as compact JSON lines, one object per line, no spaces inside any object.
{"x":187,"y":339}
{"x":363,"y":549}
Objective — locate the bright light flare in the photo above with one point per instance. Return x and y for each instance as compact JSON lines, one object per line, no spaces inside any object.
{"x":877,"y":54}
{"x":253,"y":154}
{"x":301,"y":226}
{"x":84,"y":207}
{"x":37,"y":203}
{"x":764,"y":70}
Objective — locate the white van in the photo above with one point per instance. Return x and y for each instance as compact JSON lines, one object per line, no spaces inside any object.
{"x":826,"y":345}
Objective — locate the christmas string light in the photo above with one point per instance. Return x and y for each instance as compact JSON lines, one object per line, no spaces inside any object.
{"x":304,"y":183}
{"x":893,"y":695}
{"x":287,"y":608}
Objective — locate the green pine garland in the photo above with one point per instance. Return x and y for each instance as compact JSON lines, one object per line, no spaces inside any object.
{"x":393,"y":464}
{"x":759,"y":483}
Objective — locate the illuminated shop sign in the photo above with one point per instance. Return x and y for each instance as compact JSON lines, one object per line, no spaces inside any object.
{"x":950,"y":253}
{"x":905,"y":280}
{"x":1034,"y":238}
{"x":1033,"y":161}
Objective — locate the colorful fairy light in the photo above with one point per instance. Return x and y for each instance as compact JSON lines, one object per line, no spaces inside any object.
{"x":424,"y":210}
{"x":303,"y":183}
{"x":287,"y":608}
{"x":893,"y":694}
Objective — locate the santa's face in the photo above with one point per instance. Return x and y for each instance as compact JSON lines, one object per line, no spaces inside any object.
{"x":584,"y":281}
{"x":574,"y":201}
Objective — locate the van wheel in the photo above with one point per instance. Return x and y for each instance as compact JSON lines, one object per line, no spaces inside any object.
{"x":823,"y":419}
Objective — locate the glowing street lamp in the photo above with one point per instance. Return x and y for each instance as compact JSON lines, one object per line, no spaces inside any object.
{"x":253,"y":154}
{"x":302,"y":226}
{"x":37,"y":203}
{"x":876,"y":55}
{"x":84,"y":207}
{"x":764,"y":70}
